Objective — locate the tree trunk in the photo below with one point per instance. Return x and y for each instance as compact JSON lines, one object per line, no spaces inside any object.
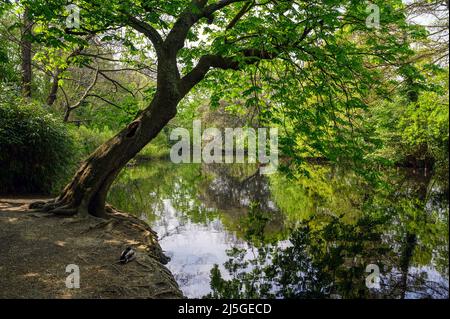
{"x":51,"y":98}
{"x":67,"y":114}
{"x":86,"y":193}
{"x":26,"y":53}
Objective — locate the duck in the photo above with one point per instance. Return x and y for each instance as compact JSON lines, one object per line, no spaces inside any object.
{"x":127,"y":255}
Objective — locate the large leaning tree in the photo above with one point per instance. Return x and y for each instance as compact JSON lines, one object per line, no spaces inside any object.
{"x":313,"y":59}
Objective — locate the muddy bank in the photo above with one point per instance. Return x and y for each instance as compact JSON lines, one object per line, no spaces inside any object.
{"x":36,"y":249}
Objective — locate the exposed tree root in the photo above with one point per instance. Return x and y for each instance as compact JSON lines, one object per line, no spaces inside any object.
{"x":130,"y":219}
{"x":46,"y":206}
{"x":61,"y":208}
{"x":67,"y":212}
{"x":55,"y":207}
{"x":39,"y":205}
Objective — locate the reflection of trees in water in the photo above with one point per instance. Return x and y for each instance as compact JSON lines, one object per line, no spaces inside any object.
{"x":321,"y":261}
{"x":341,"y":226}
{"x":419,"y":229}
{"x":196,"y":192}
{"x":143,"y":190}
{"x":233,"y":189}
{"x":400,"y":230}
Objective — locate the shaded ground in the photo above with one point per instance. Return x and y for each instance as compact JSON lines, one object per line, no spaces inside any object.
{"x":35,"y":249}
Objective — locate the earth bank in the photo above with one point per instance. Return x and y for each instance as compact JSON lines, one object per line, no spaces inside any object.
{"x":36,"y":248}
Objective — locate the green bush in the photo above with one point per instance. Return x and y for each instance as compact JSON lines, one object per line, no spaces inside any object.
{"x":88,"y":139}
{"x":425,"y":127}
{"x":37,"y":152}
{"x":416,"y":133}
{"x":158,"y":148}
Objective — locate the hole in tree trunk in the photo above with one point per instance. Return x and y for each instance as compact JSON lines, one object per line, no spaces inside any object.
{"x":132,"y":128}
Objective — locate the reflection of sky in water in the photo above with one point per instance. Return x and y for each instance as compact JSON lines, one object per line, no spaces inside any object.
{"x":193,"y":249}
{"x":194,"y":235}
{"x":435,"y":284}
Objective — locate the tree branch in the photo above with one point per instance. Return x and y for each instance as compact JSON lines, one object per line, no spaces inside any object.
{"x":114,"y":82}
{"x":218,"y":6}
{"x":109,"y":102}
{"x":86,"y":93}
{"x":70,"y":108}
{"x":206,"y":62}
{"x":147,"y":30}
{"x":191,"y":15}
{"x":240,"y":14}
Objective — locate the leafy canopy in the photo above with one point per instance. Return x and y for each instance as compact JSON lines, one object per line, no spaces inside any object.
{"x":306,"y":66}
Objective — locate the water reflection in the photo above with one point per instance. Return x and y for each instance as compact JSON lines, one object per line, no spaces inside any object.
{"x":231,"y":232}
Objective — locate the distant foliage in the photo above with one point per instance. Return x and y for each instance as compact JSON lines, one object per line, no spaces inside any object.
{"x":8,"y":71}
{"x":88,"y":139}
{"x":36,"y":149}
{"x":416,"y":133}
{"x":425,"y":127}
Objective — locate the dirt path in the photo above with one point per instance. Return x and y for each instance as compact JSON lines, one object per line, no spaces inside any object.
{"x":35,"y":249}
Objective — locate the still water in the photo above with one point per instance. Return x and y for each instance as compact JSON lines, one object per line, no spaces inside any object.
{"x":233,"y":233}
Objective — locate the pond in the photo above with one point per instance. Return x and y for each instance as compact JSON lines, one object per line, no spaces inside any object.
{"x":233,"y":233}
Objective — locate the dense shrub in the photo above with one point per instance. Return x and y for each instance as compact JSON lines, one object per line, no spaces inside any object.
{"x":416,"y":133}
{"x":37,"y":153}
{"x":88,"y":138}
{"x":425,"y":128}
